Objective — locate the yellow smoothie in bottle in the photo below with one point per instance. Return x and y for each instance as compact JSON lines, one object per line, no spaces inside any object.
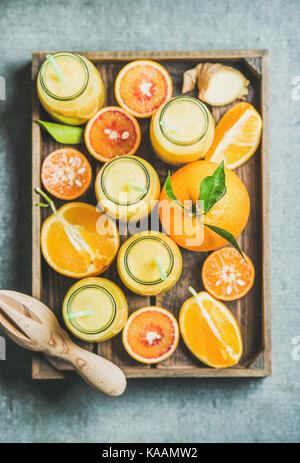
{"x":182,"y":130}
{"x":76,"y":98}
{"x":95,"y":309}
{"x":127,"y":187}
{"x":137,"y":263}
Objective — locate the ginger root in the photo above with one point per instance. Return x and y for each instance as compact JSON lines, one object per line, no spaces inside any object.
{"x":218,"y":84}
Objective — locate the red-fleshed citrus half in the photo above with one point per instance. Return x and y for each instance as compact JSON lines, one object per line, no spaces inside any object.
{"x":112,"y":132}
{"x":151,"y":334}
{"x":142,"y":86}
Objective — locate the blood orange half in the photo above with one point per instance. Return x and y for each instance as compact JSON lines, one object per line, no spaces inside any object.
{"x":66,"y":173}
{"x":112,"y":132}
{"x":151,"y":334}
{"x":142,"y":87}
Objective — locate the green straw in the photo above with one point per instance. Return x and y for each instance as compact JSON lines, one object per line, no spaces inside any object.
{"x":134,"y":187}
{"x":171,"y":126}
{"x":158,"y":263}
{"x":83,"y":313}
{"x":58,"y":72}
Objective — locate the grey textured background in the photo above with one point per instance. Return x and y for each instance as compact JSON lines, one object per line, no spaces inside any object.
{"x":153,"y":410}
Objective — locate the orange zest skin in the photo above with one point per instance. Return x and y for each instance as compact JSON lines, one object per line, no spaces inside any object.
{"x":112,"y":132}
{"x":66,"y":173}
{"x":226,"y":275}
{"x":142,"y":86}
{"x":151,"y":334}
{"x":78,"y":241}
{"x":237,"y":136}
{"x":230,"y":213}
{"x":210,"y":331}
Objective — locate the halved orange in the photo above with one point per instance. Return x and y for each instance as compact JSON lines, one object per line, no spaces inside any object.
{"x":66,"y":173}
{"x":151,"y":334}
{"x":237,"y":136}
{"x":142,"y":86}
{"x":112,"y":132}
{"x":210,"y":331}
{"x":79,"y":241}
{"x":226,"y":275}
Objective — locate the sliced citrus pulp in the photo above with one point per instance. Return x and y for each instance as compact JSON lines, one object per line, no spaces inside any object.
{"x":237,"y":136}
{"x":210,"y":331}
{"x":142,"y":87}
{"x":112,"y":132}
{"x":66,"y":173}
{"x":151,"y":334}
{"x":79,"y":241}
{"x":226,"y":275}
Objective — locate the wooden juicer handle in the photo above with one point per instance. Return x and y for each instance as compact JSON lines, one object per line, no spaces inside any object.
{"x":32,"y":325}
{"x":99,"y":373}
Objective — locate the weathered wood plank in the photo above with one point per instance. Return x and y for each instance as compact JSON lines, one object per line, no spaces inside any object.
{"x":252,"y":312}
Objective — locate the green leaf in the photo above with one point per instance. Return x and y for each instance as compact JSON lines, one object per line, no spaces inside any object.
{"x":170,"y":192}
{"x":227,"y":236}
{"x":212,"y":188}
{"x":169,"y":189}
{"x":64,"y":133}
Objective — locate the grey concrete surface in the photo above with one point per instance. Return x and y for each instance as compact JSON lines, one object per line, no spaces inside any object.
{"x":153,"y":410}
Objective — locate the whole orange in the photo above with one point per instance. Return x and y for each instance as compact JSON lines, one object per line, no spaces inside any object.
{"x":230,"y":213}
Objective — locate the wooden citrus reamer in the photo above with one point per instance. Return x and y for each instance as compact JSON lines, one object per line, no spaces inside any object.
{"x":32,"y":325}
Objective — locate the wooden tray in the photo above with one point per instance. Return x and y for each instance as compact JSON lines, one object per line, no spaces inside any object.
{"x":253,"y":312}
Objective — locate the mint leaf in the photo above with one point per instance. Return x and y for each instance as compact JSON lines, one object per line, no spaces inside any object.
{"x":212,"y":188}
{"x":227,"y":236}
